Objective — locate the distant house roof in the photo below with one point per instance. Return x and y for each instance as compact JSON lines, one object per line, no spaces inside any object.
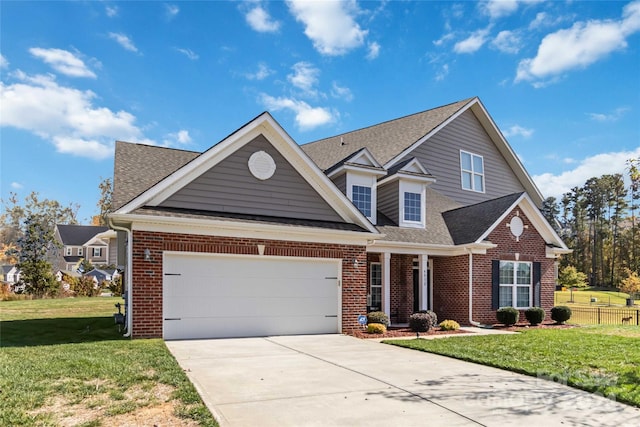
{"x":385,"y":140}
{"x":78,"y":235}
{"x":73,"y":259}
{"x":467,"y":224}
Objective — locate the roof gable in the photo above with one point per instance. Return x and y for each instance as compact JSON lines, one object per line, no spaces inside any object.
{"x":265,"y":128}
{"x":362,"y":160}
{"x":78,"y":235}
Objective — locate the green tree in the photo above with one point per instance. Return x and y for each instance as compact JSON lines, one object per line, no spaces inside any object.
{"x":570,"y":277}
{"x":35,"y":271}
{"x":631,"y":285}
{"x":551,"y":211}
{"x":105,"y":205}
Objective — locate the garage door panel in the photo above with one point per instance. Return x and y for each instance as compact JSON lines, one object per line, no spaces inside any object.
{"x":227,"y":296}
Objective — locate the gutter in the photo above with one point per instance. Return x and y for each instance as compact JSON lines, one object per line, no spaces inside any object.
{"x":471,"y":321}
{"x":128,"y":266}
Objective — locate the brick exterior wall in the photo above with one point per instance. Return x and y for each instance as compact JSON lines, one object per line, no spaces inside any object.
{"x":401,"y":287}
{"x":451,"y":280}
{"x":147,"y":275}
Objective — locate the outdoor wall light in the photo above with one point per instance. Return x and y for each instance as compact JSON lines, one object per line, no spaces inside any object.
{"x":147,"y":255}
{"x":356,"y":263}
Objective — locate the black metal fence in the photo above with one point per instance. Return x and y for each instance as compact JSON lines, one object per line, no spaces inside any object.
{"x":605,"y":316}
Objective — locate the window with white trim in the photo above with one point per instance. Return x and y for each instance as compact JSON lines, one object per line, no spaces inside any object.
{"x":412,"y":207}
{"x":362,"y":199}
{"x":472,"y":171}
{"x":375,"y":286}
{"x":68,"y":251}
{"x":80,"y":251}
{"x":515,"y":284}
{"x":97,"y":252}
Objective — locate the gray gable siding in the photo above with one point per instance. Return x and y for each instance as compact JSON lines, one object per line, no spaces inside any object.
{"x":388,"y":201}
{"x":341,"y":182}
{"x":231,"y":188}
{"x":441,"y":156}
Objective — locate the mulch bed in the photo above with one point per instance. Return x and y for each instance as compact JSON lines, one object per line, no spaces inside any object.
{"x":403,"y":332}
{"x":518,"y":327}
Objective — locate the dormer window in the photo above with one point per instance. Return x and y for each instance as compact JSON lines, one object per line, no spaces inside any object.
{"x":412,"y":196}
{"x":412,"y":207}
{"x":472,"y":171}
{"x":68,"y":251}
{"x":362,"y":199}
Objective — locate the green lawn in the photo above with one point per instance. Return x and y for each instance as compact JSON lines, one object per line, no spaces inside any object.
{"x":603,"y":359}
{"x":64,"y":362}
{"x":583,"y":297}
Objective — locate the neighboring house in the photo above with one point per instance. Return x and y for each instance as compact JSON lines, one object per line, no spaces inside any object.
{"x":84,"y":242}
{"x":12,"y":276}
{"x":4,"y":270}
{"x":259,"y":236}
{"x":100,"y":276}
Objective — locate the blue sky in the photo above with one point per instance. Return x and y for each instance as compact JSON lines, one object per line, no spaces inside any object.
{"x":561,"y":79}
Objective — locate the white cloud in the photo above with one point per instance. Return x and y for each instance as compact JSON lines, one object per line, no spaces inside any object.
{"x":472,"y":43}
{"x":579,"y":46}
{"x":606,"y":163}
{"x":111,"y":11}
{"x":65,"y":116}
{"x":341,"y":92}
{"x":507,"y":42}
{"x":517,"y":130}
{"x":188,"y":53}
{"x":499,"y":8}
{"x":63,"y":62}
{"x":304,"y":77}
{"x":16,"y":185}
{"x":260,"y":20}
{"x":610,"y":117}
{"x":330,"y":25}
{"x":442,"y":73}
{"x":443,"y":39}
{"x":306,"y":117}
{"x":262,"y":73}
{"x":181,"y":137}
{"x":3,"y":62}
{"x":374,"y":51}
{"x":123,"y":41}
{"x":171,"y":11}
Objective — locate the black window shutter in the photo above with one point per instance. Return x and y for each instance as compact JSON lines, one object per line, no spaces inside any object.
{"x":495,"y":284}
{"x":537,"y":288}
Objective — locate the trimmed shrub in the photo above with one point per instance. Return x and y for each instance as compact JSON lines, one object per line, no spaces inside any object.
{"x":420,"y":322}
{"x":507,"y":316}
{"x":449,"y":325}
{"x":534,"y":315}
{"x":378,"y":317}
{"x":376,"y":328}
{"x":560,"y":313}
{"x":434,"y":316}
{"x":84,"y":287}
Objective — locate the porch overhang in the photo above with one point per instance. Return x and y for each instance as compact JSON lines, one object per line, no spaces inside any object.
{"x":382,"y":246}
{"x":555,"y":252}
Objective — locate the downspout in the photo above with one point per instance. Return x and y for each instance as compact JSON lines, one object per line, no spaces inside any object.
{"x":129,"y":275}
{"x":471,"y":321}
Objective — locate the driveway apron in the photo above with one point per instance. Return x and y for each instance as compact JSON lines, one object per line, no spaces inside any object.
{"x":337,"y":380}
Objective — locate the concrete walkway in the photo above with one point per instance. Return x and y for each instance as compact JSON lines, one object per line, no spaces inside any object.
{"x":336,"y":380}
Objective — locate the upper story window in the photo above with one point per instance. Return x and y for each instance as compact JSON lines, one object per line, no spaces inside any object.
{"x":472,"y":171}
{"x":412,"y":207}
{"x":97,"y":252}
{"x":68,"y":251}
{"x":515,"y":284}
{"x":361,"y":197}
{"x":80,"y":251}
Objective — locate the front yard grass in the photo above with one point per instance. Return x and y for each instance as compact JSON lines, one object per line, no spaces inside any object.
{"x":63,"y":362}
{"x":602,"y":359}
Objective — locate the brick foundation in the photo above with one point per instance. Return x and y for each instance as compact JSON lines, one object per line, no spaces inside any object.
{"x":147,"y":275}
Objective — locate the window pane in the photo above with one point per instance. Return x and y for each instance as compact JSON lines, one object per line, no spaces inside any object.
{"x":477,"y":164}
{"x":362,"y":199}
{"x":477,"y":183}
{"x":524,"y":273}
{"x":376,"y":274}
{"x":523,"y":296}
{"x":506,"y":273}
{"x":466,"y":180}
{"x":376,"y":285}
{"x":506,"y":296}
{"x":412,"y":207}
{"x":465,"y":161}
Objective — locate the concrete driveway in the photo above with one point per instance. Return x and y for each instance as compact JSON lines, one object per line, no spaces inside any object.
{"x":336,"y":380}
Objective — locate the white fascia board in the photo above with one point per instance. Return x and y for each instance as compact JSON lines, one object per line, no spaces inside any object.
{"x":406,"y":177}
{"x":536,"y":218}
{"x":553,"y":253}
{"x":383,"y":246}
{"x":211,"y":227}
{"x":429,"y":135}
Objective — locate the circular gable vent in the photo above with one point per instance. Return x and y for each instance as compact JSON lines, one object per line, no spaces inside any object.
{"x":261,"y":165}
{"x":517,"y":226}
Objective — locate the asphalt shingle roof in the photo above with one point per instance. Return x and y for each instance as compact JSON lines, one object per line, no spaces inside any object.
{"x":467,"y":224}
{"x":78,"y":235}
{"x":384,"y":141}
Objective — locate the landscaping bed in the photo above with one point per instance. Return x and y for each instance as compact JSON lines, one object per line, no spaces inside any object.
{"x":404,"y":332}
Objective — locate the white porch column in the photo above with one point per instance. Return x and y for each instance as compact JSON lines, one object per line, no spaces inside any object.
{"x":386,"y":283}
{"x":423,"y":268}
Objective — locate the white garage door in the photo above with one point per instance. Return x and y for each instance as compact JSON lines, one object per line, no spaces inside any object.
{"x":216,"y":296}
